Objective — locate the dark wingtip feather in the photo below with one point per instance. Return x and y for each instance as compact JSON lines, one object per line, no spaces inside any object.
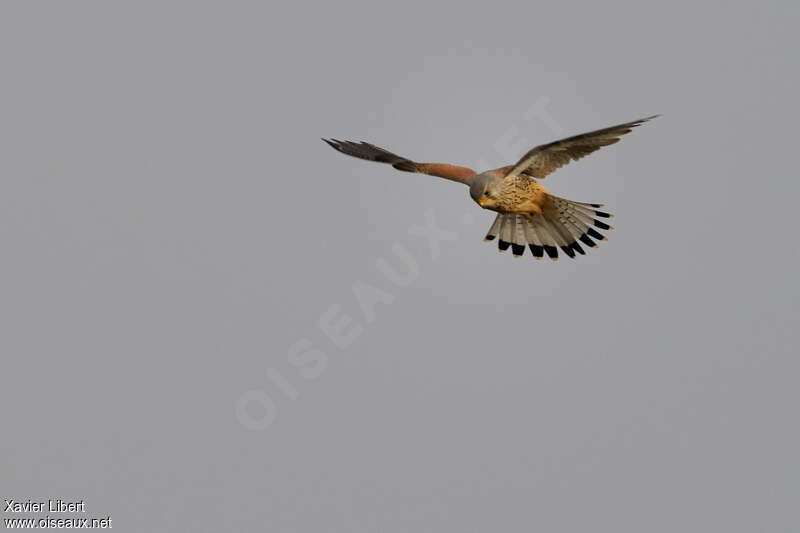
{"x":603,"y":214}
{"x":642,"y":120}
{"x":536,"y":250}
{"x":587,"y":241}
{"x":517,"y":249}
{"x":406,"y":166}
{"x":601,"y":225}
{"x":489,"y":238}
{"x":577,"y":248}
{"x":595,"y":234}
{"x":503,"y":245}
{"x":551,"y":251}
{"x":568,"y":250}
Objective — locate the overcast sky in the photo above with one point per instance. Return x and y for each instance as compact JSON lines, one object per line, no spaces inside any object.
{"x":212,"y":321}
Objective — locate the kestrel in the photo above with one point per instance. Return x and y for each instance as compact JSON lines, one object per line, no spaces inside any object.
{"x":527,"y":214}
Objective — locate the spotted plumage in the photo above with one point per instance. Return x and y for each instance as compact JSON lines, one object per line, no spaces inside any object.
{"x":527,"y":214}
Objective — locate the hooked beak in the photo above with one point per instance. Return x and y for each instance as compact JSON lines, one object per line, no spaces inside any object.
{"x":481,"y":201}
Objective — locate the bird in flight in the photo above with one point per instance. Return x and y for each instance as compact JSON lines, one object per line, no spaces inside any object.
{"x":527,"y":214}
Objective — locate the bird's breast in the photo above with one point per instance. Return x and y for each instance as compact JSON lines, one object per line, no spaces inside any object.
{"x":523,"y":196}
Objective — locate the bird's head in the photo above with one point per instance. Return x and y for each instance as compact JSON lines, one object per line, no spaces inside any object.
{"x":484,"y":189}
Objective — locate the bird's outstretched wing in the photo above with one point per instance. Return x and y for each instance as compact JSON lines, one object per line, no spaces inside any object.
{"x":547,"y":158}
{"x":371,"y":152}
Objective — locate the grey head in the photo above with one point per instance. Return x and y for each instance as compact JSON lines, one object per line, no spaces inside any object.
{"x":484,"y":188}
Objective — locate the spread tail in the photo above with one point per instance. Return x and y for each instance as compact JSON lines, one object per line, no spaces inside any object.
{"x":562,"y":224}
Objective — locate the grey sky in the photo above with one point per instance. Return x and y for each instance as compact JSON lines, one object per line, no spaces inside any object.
{"x":173,"y":232}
